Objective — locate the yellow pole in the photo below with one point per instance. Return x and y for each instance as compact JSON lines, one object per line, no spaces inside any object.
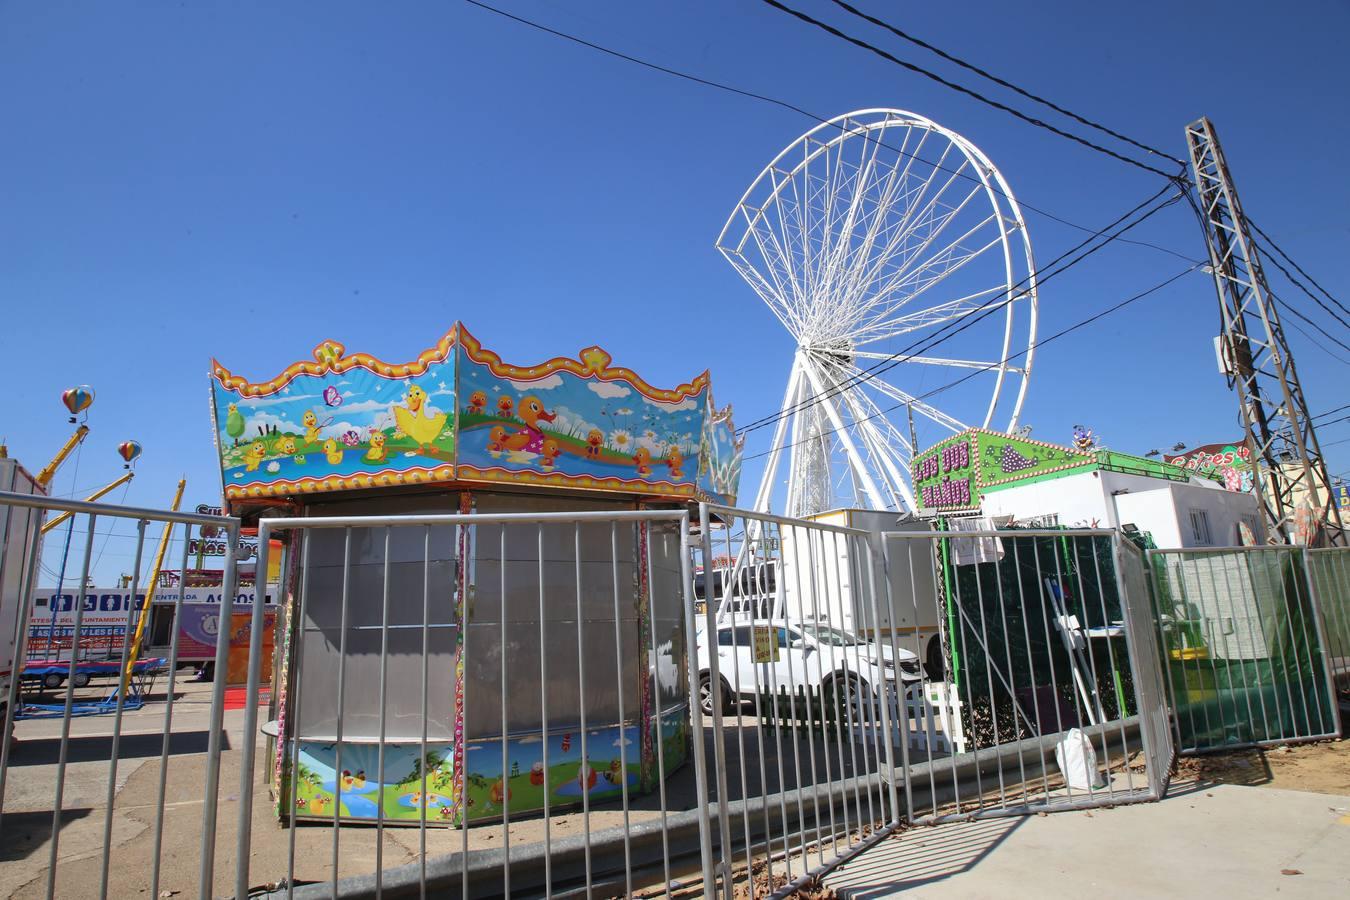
{"x":150,"y":591}
{"x":45,"y":476}
{"x":90,"y":499}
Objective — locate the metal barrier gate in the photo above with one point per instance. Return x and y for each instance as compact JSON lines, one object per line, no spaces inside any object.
{"x":548,"y":704}
{"x":1048,"y":694}
{"x":1245,"y":642}
{"x":834,"y":728}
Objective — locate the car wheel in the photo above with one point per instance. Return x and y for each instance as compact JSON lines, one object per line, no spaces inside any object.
{"x":53,"y":680}
{"x":853,"y":696}
{"x":81,"y":679}
{"x":933,"y":662}
{"x":706,"y":701}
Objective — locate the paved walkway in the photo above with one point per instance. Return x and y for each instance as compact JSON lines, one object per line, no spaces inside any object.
{"x":1208,"y":842}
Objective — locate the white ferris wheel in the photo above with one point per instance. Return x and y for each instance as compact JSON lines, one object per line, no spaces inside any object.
{"x":894,"y":254}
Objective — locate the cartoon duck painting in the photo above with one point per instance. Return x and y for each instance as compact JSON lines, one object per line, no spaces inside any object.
{"x":311,"y":423}
{"x":415,"y":419}
{"x":529,"y":439}
{"x":478,"y":403}
{"x":256,"y":453}
{"x":551,"y":453}
{"x":234,"y":423}
{"x":376,"y":453}
{"x":333,"y":451}
{"x":594,"y":441}
{"x":615,"y":773}
{"x":286,"y":445}
{"x":496,"y":439}
{"x":643,"y":460}
{"x":505,"y":407}
{"x":674,"y":460}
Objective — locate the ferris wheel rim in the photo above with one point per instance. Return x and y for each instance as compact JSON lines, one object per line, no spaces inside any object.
{"x":1012,"y":227}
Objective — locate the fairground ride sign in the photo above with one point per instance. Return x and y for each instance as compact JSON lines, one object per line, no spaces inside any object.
{"x":1232,"y":462}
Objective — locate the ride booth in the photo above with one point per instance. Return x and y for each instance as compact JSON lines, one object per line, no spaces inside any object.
{"x":514,"y":618}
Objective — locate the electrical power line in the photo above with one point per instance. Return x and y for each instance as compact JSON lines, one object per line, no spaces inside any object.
{"x":1056,"y":336}
{"x":984,"y":310}
{"x":1004,"y":83}
{"x":1276,"y":247}
{"x":1294,"y":309}
{"x":1298,"y":284}
{"x":792,"y":107}
{"x":1331,"y":411}
{"x":1312,"y":340}
{"x":920,"y":70}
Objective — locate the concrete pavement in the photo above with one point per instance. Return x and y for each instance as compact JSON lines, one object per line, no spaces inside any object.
{"x":1211,"y":841}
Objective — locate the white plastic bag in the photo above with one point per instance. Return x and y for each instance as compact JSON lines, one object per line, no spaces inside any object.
{"x":1078,"y":761}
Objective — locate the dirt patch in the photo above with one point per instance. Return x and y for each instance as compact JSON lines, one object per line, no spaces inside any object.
{"x":1322,"y":768}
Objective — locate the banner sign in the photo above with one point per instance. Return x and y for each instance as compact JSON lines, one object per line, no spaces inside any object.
{"x":952,"y":475}
{"x":1231,"y":462}
{"x":106,"y":611}
{"x":766,"y":644}
{"x":216,"y":547}
{"x":198,"y":631}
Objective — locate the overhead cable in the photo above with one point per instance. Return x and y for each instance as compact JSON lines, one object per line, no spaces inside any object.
{"x":920,"y":70}
{"x":1003,"y":82}
{"x":791,"y":107}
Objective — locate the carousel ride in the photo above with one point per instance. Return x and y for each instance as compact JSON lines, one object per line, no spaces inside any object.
{"x":458,"y":430}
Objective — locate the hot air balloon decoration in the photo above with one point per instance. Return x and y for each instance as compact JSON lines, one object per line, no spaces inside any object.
{"x":77,"y":399}
{"x":129,"y":451}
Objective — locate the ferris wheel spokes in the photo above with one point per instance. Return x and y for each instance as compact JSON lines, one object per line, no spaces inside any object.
{"x":859,"y":232}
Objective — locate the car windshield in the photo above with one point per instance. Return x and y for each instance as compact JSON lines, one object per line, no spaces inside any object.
{"x":835,"y":636}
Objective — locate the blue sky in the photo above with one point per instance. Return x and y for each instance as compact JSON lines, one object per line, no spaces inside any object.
{"x":179,"y":183}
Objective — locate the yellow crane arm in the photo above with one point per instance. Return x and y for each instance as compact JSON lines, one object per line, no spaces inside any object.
{"x":44,"y":477}
{"x":150,"y":591}
{"x":48,"y":526}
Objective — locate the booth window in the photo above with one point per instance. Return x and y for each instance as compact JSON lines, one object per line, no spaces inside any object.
{"x":1200,"y":527}
{"x":510,"y":588}
{"x":420,"y":567}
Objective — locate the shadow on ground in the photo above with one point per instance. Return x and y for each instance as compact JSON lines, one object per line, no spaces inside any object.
{"x":46,"y":751}
{"x":28,"y":831}
{"x":921,"y":856}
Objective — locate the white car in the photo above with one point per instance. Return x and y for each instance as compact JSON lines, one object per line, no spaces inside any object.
{"x":812,"y":657}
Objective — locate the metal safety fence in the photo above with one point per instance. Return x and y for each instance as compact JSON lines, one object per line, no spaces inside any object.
{"x":1245,"y":636}
{"x":101,"y":706}
{"x":516,"y":699}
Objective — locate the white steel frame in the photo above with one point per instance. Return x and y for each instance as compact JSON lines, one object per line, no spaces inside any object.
{"x":844,"y":235}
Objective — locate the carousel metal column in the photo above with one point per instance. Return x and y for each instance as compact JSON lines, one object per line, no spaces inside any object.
{"x":1286,"y":459}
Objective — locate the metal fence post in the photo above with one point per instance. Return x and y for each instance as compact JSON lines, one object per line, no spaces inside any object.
{"x":1319,"y":626}
{"x":715,"y":676}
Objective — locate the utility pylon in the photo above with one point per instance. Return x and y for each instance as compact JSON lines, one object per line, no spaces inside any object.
{"x":1287,"y":466}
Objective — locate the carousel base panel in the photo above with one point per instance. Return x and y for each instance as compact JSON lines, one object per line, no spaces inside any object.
{"x":487,"y":787}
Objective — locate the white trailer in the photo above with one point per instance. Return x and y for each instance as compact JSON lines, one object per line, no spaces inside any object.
{"x":21,"y":534}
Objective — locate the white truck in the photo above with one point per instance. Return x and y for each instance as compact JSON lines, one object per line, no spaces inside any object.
{"x":20,"y":530}
{"x":823,"y":571}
